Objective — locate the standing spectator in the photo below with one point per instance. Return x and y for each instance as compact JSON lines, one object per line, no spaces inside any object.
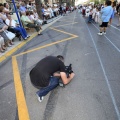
{"x":117,"y":7}
{"x":106,"y":13}
{"x":90,"y":16}
{"x":83,"y":11}
{"x":61,"y":10}
{"x":97,"y":15}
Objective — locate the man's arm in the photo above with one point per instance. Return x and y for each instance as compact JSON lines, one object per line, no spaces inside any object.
{"x":64,"y":77}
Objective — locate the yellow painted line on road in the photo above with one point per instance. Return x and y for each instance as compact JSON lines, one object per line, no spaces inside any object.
{"x":73,"y":36}
{"x":65,"y":24}
{"x":22,"y":44}
{"x":29,"y":51}
{"x":65,"y":20}
{"x":2,"y":58}
{"x":63,"y":32}
{"x":21,"y":102}
{"x":11,"y":52}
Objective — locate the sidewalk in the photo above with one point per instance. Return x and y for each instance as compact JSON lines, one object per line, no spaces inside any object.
{"x":19,"y":44}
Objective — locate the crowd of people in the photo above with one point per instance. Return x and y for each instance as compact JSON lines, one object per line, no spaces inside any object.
{"x":29,"y":19}
{"x":102,"y":14}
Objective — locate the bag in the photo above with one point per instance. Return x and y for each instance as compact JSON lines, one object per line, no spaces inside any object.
{"x":9,"y":34}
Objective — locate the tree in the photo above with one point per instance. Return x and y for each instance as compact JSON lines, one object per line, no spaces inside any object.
{"x":38,"y":7}
{"x":96,"y":2}
{"x":60,"y":2}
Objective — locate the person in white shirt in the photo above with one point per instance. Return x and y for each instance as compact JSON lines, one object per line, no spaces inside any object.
{"x":97,"y":15}
{"x":13,"y":25}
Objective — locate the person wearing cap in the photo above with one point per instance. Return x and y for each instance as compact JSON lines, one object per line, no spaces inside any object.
{"x":45,"y":76}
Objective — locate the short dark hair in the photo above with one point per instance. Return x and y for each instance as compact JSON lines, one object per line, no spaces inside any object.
{"x":60,"y":57}
{"x":108,"y":2}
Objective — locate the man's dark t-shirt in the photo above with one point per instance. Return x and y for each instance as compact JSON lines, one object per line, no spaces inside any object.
{"x":45,"y":68}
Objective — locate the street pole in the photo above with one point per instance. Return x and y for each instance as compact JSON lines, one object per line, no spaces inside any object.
{"x":17,"y":13}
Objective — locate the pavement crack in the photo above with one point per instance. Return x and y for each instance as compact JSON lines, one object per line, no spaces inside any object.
{"x":6,"y":84}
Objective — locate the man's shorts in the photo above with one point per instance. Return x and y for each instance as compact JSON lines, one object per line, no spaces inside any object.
{"x":104,"y":24}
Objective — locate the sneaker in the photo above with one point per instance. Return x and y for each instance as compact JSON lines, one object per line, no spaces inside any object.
{"x":40,"y":34}
{"x":40,"y":99}
{"x":99,"y":33}
{"x":104,"y":33}
{"x":25,"y":38}
{"x":28,"y":36}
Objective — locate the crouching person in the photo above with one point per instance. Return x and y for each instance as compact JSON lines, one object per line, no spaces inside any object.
{"x":44,"y":76}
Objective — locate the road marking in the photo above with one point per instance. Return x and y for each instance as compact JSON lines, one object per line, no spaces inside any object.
{"x":63,"y":40}
{"x":65,"y":20}
{"x":109,"y":41}
{"x":115,"y":27}
{"x":64,"y":32}
{"x":2,"y":58}
{"x":21,"y":102}
{"x":106,"y":78}
{"x":29,"y":51}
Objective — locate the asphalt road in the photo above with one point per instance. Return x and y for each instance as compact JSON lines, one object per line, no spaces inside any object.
{"x":94,"y":92}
